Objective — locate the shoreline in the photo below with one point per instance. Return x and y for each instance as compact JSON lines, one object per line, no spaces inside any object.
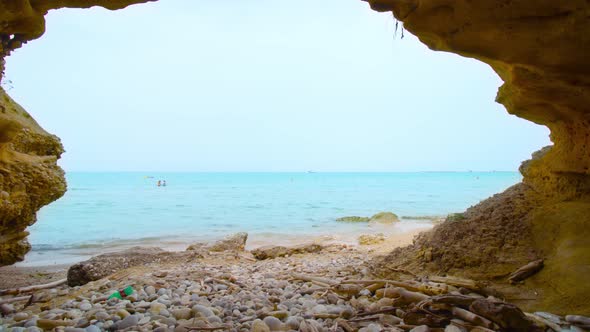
{"x":39,"y":271}
{"x":343,"y":234}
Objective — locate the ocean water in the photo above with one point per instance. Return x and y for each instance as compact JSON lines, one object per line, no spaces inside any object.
{"x":105,"y":211}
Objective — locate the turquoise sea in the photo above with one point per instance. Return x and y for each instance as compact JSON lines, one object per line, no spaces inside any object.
{"x":106,"y":211}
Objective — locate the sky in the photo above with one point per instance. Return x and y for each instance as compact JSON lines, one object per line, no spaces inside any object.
{"x":261,"y":85}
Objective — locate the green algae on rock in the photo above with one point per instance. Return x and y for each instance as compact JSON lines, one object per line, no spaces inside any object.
{"x":378,"y":218}
{"x":353,"y":219}
{"x":384,"y":218}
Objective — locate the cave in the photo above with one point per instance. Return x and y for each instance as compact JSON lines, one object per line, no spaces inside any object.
{"x":540,"y":50}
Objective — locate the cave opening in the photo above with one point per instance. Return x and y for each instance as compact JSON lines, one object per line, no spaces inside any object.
{"x":540,"y":86}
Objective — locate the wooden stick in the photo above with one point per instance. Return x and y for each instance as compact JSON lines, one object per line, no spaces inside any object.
{"x":409,"y":285}
{"x":319,"y":280}
{"x":362,"y":319}
{"x":344,"y":325}
{"x":526,"y":271}
{"x":28,"y":289}
{"x":15,"y":299}
{"x":381,"y":311}
{"x":473,"y":318}
{"x":457,"y":282}
{"x":543,"y":321}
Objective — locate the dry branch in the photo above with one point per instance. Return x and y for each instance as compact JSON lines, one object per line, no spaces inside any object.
{"x":28,"y":289}
{"x":526,"y":271}
{"x":15,"y":299}
{"x":457,"y":282}
{"x":473,"y":318}
{"x":409,"y":285}
{"x":318,"y":280}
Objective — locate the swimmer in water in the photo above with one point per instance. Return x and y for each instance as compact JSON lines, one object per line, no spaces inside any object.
{"x":164,"y":183}
{"x":159,"y":183}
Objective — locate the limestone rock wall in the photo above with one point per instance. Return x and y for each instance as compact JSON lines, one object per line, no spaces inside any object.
{"x":541,"y":50}
{"x":29,"y":176}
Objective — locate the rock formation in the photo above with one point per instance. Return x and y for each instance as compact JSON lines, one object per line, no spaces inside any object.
{"x":29,"y":176}
{"x":539,"y":48}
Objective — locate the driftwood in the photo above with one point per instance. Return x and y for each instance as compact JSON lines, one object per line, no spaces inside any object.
{"x":473,"y":318}
{"x":15,"y":299}
{"x":376,"y":312}
{"x":453,"y":299}
{"x":526,"y":271}
{"x":374,"y":287}
{"x":577,"y":320}
{"x":348,"y":289}
{"x":401,"y":296}
{"x":505,"y":315}
{"x":317,"y":280}
{"x":16,"y":291}
{"x":431,"y":289}
{"x":457,"y":282}
{"x":344,"y":325}
{"x":542,"y":321}
{"x":307,"y":327}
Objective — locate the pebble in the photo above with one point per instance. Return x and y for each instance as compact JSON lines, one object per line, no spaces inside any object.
{"x":184,"y":313}
{"x":85,"y":306}
{"x":293,"y":323}
{"x":202,"y":311}
{"x":33,"y":329}
{"x":259,"y":326}
{"x":102,"y":315}
{"x":74,"y":329}
{"x":279,"y":314}
{"x":123,"y":313}
{"x":19,"y":316}
{"x":454,"y":328}
{"x":273,"y":323}
{"x":156,"y":308}
{"x":224,"y":295}
{"x":129,"y":321}
{"x":50,"y":324}
{"x":371,"y":328}
{"x":6,"y":309}
{"x":92,"y":328}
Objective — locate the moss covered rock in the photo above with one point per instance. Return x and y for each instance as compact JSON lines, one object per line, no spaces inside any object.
{"x":384,"y":218}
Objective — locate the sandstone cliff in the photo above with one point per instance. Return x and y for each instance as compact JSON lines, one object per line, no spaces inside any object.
{"x":540,"y":50}
{"x":29,"y":176}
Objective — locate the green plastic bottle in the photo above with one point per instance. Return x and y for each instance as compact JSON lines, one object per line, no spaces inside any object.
{"x":120,"y":294}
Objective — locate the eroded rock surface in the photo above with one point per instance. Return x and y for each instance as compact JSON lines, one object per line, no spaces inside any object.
{"x":540,"y":50}
{"x":270,"y":252}
{"x":104,"y":265}
{"x":29,"y":176}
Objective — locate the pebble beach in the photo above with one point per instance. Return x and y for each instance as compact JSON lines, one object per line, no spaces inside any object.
{"x":222,"y":287}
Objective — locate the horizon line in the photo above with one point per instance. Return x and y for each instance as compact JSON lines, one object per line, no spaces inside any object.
{"x":304,"y":172}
